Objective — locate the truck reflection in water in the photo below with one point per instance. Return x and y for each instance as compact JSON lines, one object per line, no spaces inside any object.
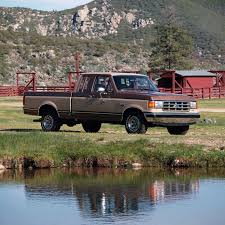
{"x":111,"y":193}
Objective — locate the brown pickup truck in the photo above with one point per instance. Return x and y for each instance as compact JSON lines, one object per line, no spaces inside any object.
{"x":117,"y":98}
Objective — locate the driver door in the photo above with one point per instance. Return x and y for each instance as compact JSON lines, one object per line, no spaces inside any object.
{"x":106,"y":106}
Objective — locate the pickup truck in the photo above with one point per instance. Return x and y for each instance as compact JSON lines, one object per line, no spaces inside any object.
{"x":117,"y":98}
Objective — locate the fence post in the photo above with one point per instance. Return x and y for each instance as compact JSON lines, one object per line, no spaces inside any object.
{"x":203,"y":93}
{"x":17,"y":83}
{"x":173,"y":82}
{"x":34,"y":81}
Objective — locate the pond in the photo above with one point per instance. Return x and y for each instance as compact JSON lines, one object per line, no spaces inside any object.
{"x":112,"y":196}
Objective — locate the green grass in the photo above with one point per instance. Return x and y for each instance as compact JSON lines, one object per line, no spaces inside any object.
{"x":70,"y":150}
{"x":212,"y":103}
{"x":20,"y":138}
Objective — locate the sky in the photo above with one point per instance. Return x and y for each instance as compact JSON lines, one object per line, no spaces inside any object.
{"x":44,"y":4}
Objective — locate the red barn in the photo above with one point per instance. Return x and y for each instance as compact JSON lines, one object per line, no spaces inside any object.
{"x":187,"y":79}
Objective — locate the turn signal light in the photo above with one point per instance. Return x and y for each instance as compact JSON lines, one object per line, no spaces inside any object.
{"x":155,"y":104}
{"x":151,"y":104}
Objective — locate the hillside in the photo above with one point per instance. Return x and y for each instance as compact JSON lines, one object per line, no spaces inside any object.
{"x":107,"y":32}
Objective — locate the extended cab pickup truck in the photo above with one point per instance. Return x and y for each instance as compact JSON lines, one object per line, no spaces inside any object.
{"x":118,"y":98}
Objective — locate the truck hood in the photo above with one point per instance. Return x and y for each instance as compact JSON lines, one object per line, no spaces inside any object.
{"x":160,"y":96}
{"x":170,"y":96}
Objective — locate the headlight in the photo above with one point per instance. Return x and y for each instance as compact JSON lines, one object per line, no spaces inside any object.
{"x":193,"y":105}
{"x":155,"y":104}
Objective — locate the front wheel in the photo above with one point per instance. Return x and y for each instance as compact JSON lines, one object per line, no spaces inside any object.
{"x":50,"y":122}
{"x":91,"y":126}
{"x":135,"y":124}
{"x":178,"y":130}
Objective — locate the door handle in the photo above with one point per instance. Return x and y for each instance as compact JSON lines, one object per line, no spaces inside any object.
{"x":122,"y":105}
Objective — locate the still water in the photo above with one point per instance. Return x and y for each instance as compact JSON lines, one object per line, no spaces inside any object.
{"x":104,"y":196}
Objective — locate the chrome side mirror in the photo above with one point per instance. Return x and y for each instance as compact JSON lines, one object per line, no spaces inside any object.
{"x":101,"y":89}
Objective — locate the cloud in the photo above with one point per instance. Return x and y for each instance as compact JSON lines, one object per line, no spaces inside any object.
{"x":44,"y":4}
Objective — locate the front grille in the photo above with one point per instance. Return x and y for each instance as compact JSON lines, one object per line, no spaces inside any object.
{"x":176,"y":106}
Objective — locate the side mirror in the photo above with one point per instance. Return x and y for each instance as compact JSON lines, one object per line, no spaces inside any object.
{"x":101,"y":89}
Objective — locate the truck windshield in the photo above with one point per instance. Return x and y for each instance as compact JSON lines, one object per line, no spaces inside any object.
{"x":133,"y":82}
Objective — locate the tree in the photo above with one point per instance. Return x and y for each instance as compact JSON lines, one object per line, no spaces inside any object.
{"x":173,"y":46}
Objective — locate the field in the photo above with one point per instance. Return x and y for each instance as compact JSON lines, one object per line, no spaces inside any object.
{"x":23,"y":143}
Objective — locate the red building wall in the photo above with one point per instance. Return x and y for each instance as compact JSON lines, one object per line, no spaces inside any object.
{"x":200,"y":82}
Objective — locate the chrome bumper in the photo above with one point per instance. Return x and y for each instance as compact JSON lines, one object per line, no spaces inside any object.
{"x":172,"y":119}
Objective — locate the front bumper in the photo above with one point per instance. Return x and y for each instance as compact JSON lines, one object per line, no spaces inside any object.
{"x":171,"y":119}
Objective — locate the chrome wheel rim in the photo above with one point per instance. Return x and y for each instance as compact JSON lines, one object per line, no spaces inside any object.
{"x":133,"y":124}
{"x":48,"y":122}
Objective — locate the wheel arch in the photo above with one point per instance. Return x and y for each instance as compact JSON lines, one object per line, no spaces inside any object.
{"x":132,"y":110}
{"x":47,"y":106}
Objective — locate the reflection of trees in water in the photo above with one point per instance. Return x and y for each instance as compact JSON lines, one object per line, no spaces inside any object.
{"x":106,"y":192}
{"x":110,"y":192}
{"x":125,"y":199}
{"x":108,"y":200}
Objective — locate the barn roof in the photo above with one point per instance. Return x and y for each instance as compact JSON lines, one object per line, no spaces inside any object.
{"x":195,"y":73}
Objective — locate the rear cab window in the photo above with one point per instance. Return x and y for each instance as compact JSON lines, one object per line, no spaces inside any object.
{"x":85,"y":85}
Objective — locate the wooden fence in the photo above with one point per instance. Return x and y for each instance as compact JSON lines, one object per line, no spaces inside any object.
{"x":199,"y":93}
{"x":8,"y":91}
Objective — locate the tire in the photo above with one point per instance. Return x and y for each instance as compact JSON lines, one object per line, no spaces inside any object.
{"x":135,"y":124}
{"x":91,"y":126}
{"x":50,"y":122}
{"x":178,"y":130}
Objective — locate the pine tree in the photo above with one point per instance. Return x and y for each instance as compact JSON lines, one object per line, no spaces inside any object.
{"x":172,"y":47}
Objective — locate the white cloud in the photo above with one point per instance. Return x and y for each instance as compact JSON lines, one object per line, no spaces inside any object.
{"x":44,"y":4}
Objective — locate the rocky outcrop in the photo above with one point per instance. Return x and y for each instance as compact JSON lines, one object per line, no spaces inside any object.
{"x":89,"y":21}
{"x":100,"y":22}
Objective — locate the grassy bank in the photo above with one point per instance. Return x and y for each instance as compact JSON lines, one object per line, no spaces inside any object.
{"x":22,"y":144}
{"x":41,"y":151}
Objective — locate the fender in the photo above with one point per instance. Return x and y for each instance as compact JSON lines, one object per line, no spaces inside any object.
{"x":133,"y":107}
{"x":48,"y":103}
{"x":130,"y":107}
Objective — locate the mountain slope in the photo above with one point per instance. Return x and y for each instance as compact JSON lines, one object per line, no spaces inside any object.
{"x":106,"y":31}
{"x":204,"y":19}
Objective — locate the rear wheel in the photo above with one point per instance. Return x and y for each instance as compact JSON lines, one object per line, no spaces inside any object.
{"x":135,"y":124}
{"x":178,"y":130}
{"x":91,"y":126}
{"x":50,"y":122}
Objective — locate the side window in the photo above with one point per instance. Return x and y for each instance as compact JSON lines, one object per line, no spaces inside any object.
{"x":84,"y":85}
{"x":103,"y":82}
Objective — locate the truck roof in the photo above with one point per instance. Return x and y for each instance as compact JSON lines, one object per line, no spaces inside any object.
{"x":113,"y":74}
